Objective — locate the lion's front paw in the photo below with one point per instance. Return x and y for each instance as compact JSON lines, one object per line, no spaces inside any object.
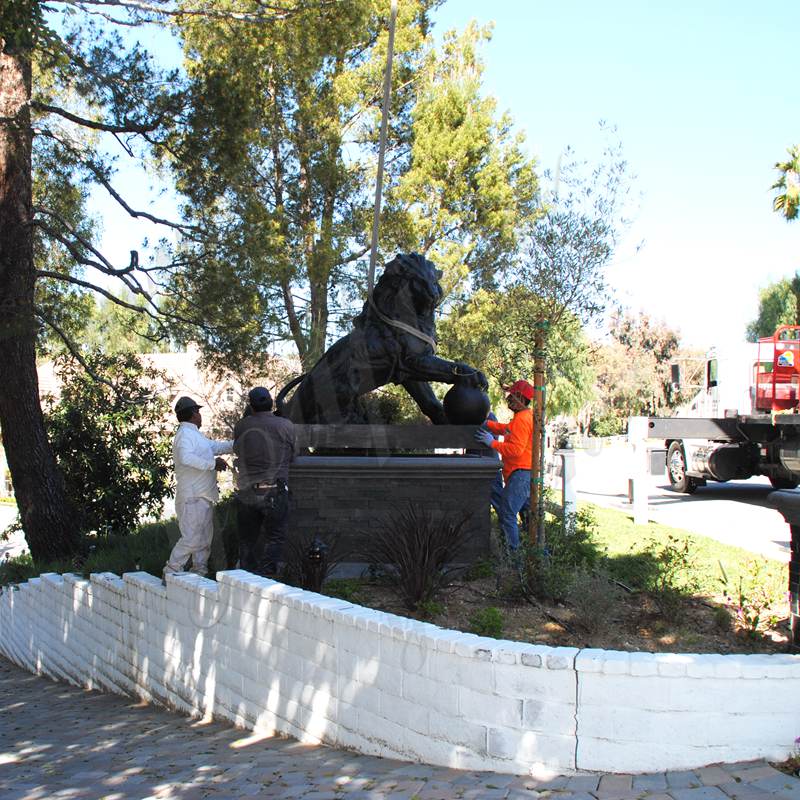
{"x":468,"y":376}
{"x":480,"y":381}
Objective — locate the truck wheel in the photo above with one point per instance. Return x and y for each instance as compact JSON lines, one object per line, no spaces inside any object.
{"x":783,"y":483}
{"x":676,"y":469}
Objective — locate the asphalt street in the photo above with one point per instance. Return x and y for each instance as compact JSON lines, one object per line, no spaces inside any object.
{"x":734,"y":513}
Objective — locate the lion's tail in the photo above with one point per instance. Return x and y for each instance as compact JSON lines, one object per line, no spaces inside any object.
{"x":280,"y":401}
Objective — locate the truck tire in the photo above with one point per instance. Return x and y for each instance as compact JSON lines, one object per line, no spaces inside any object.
{"x":783,"y":483}
{"x":676,"y":470}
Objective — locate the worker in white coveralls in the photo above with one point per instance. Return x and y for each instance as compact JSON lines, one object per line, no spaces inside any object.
{"x":196,"y":465}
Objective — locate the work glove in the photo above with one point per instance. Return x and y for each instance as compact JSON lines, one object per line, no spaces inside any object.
{"x":484,"y":437}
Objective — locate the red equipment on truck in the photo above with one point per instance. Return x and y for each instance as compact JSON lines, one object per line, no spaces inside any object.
{"x":778,"y":370}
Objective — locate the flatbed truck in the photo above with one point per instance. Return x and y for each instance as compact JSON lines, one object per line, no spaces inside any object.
{"x":744,"y":421}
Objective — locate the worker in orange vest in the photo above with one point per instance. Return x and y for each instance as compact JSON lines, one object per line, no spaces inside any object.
{"x":516,"y":450}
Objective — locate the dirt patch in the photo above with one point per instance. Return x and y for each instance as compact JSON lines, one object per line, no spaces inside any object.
{"x":635,"y":622}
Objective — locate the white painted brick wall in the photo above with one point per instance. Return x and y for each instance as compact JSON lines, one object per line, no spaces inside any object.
{"x":274,"y":658}
{"x":639,"y":710}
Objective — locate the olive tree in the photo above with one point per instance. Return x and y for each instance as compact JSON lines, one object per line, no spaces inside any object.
{"x":562,"y":264}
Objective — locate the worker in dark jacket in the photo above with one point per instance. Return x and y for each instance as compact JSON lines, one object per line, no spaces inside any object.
{"x":264,"y":447}
{"x":516,"y":450}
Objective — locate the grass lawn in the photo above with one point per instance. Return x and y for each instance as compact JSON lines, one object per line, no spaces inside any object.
{"x":630,"y":551}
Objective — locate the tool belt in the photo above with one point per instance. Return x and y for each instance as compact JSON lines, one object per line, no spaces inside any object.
{"x":265,"y":496}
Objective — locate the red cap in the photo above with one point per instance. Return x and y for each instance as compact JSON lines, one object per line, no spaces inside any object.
{"x":522,"y":388}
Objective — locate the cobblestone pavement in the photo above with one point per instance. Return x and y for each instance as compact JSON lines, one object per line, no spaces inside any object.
{"x":57,"y":741}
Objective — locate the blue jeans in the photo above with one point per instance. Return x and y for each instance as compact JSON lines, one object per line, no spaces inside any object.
{"x":509,"y":500}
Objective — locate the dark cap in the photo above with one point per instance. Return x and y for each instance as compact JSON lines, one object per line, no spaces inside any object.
{"x":186,"y":404}
{"x":260,"y":399}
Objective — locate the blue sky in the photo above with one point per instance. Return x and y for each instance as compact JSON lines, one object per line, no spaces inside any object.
{"x":704,"y":96}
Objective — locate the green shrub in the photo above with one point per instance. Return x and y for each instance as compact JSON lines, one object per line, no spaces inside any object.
{"x":111,"y":441}
{"x":547,"y":573}
{"x":749,"y":598}
{"x":429,"y":609}
{"x":145,"y":550}
{"x":487,"y":622}
{"x":609,"y":424}
{"x":22,"y":568}
{"x":480,"y":570}
{"x":722,"y":619}
{"x":348,"y":589}
{"x":593,"y":596}
{"x":674,"y":577}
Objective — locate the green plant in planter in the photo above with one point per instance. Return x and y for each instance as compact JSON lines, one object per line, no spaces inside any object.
{"x":348,"y":589}
{"x":487,"y":622}
{"x":548,"y":573}
{"x":751,"y":597}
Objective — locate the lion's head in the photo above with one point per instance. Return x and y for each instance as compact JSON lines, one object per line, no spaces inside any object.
{"x":408,"y":290}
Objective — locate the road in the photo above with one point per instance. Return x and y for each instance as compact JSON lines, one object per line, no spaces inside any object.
{"x":734,"y":513}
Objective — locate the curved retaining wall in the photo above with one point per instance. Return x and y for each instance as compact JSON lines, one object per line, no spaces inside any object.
{"x":273,"y":658}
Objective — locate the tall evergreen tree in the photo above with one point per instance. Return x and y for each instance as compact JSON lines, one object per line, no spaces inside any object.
{"x":278,"y":161}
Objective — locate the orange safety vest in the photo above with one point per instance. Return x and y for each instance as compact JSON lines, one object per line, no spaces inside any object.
{"x":516,"y":449}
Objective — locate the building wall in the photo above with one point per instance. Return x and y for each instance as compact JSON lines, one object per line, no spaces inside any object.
{"x":273,"y":658}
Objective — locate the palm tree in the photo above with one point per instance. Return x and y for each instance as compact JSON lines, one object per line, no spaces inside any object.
{"x":788,"y":201}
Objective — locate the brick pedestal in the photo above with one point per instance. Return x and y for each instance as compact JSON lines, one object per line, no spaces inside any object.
{"x":351,"y":494}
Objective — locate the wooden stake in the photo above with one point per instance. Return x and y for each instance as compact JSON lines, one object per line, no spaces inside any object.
{"x":536,"y":519}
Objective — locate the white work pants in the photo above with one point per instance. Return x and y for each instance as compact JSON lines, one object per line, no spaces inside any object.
{"x":196,"y":524}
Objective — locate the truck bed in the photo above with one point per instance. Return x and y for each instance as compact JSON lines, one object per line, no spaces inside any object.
{"x":752,"y":427}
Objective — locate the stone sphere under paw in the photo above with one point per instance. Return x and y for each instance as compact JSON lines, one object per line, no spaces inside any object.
{"x":466,"y":405}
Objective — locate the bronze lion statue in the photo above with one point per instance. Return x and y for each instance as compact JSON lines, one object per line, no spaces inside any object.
{"x":377,"y":352}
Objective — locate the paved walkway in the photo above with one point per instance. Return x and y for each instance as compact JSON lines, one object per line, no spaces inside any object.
{"x":57,"y":741}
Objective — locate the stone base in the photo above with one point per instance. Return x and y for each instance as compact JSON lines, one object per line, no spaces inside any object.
{"x":348,"y":495}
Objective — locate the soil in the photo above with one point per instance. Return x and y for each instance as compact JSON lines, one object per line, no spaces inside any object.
{"x":634,"y":622}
